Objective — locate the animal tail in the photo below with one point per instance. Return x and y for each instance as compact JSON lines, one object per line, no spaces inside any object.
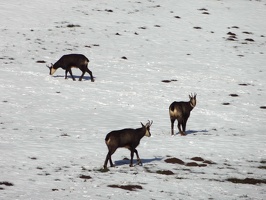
{"x":172,"y":107}
{"x":107,"y":138}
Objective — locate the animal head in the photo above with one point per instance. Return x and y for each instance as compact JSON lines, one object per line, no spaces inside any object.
{"x":192,"y":100}
{"x":147,"y":127}
{"x":51,"y":68}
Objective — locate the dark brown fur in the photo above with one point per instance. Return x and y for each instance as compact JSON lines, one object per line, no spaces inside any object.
{"x":180,"y":111}
{"x":69,"y":61}
{"x":128,"y":138}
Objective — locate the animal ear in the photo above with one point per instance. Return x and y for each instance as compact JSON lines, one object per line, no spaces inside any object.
{"x":141,"y":124}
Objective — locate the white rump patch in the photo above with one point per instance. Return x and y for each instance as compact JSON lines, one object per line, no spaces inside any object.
{"x":173,"y":112}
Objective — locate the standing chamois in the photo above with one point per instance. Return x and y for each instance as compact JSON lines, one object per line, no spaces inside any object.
{"x":66,"y":62}
{"x":128,"y":138}
{"x":181,"y":111}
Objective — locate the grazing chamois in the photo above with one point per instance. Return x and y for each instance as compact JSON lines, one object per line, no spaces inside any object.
{"x":128,"y":138}
{"x":66,"y":62}
{"x":180,"y":111}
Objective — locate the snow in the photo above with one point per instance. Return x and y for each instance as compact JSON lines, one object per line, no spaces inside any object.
{"x":52,"y":130}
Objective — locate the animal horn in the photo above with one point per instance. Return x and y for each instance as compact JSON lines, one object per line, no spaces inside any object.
{"x":149,"y":122}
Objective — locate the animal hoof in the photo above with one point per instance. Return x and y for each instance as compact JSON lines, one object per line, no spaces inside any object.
{"x":139,"y":163}
{"x":183,"y":134}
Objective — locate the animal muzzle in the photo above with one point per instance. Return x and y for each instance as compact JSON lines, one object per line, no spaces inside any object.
{"x":148,"y":134}
{"x":52,"y":71}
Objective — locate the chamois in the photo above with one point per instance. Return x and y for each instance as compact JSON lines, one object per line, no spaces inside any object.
{"x":180,"y":111}
{"x":66,"y":62}
{"x":128,"y":138}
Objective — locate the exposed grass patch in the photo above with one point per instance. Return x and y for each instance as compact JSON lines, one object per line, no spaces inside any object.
{"x":226,"y":104}
{"x":194,"y":164}
{"x":263,"y":161}
{"x":85,"y":177}
{"x":209,"y":162}
{"x":40,"y":61}
{"x":249,"y":40}
{"x":168,"y":81}
{"x":72,"y":25}
{"x":174,"y":161}
{"x":197,"y":159}
{"x":65,"y":135}
{"x":252,"y":181}
{"x":165,"y":172}
{"x":127,"y":187}
{"x":244,"y":84}
{"x":233,"y":95}
{"x":6,"y":183}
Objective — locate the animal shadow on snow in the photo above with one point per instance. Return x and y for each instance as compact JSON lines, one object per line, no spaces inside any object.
{"x":75,"y":76}
{"x":189,"y":132}
{"x":126,"y":161}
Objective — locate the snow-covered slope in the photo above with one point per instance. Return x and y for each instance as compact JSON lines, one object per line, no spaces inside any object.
{"x":52,"y":130}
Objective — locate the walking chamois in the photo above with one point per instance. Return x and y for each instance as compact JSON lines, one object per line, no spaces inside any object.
{"x":128,"y":138}
{"x":66,"y":62}
{"x":180,"y":111}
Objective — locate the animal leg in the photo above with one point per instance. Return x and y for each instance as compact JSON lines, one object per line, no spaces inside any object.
{"x":80,"y":78}
{"x":106,"y":160}
{"x":179,"y":128}
{"x":138,"y":158}
{"x":66,"y":74}
{"x":132,"y":155}
{"x":184,"y":126}
{"x":92,"y":79}
{"x":108,"y":157}
{"x":172,"y":126}
{"x":70,"y":71}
